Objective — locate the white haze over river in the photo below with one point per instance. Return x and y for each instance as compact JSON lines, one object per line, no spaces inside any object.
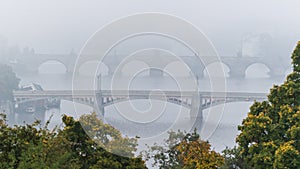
{"x":223,"y":136}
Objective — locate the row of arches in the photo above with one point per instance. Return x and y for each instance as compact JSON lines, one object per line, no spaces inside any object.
{"x":256,"y":70}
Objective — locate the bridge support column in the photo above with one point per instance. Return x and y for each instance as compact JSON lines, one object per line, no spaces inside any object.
{"x":197,"y":73}
{"x":237,"y":73}
{"x":156,"y":72}
{"x":101,"y":112}
{"x":99,"y":106}
{"x":196,"y":66}
{"x":196,"y":114}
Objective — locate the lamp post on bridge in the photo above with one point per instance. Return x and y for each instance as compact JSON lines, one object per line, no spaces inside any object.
{"x":99,"y":99}
{"x":196,"y":113}
{"x":99,"y":82}
{"x":197,"y":83}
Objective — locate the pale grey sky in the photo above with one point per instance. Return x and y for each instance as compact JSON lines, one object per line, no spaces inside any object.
{"x":58,"y":26}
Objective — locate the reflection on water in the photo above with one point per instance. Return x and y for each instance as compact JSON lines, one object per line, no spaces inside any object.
{"x":222,"y":137}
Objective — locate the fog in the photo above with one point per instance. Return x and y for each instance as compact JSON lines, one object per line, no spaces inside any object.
{"x":55,"y":26}
{"x":236,"y":28}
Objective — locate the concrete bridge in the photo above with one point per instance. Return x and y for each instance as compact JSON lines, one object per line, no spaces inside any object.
{"x":237,"y":65}
{"x":196,"y":102}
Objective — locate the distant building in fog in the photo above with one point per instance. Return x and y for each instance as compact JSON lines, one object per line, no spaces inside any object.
{"x":255,"y":45}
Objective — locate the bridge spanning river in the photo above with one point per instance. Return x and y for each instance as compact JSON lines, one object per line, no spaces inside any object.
{"x":99,"y":99}
{"x":31,"y":62}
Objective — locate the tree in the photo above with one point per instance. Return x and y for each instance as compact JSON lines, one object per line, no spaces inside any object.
{"x":232,"y":159}
{"x":92,"y":153}
{"x":33,"y":146}
{"x":270,"y":134}
{"x":108,"y":137}
{"x":187,"y":153}
{"x":8,"y":82}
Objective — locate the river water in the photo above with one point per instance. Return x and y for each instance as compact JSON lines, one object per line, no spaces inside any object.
{"x":224,"y":131}
{"x":223,"y":136}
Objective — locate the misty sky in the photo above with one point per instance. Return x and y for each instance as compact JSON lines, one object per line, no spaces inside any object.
{"x":55,"y":26}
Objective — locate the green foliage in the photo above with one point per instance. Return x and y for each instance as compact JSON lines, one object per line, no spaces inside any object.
{"x":184,"y":150}
{"x":287,"y":156}
{"x":8,"y":82}
{"x":32,"y":146}
{"x":232,"y":160}
{"x":108,"y":137}
{"x":270,"y":134}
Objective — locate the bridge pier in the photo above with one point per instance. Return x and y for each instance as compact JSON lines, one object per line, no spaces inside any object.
{"x":196,"y":66}
{"x":154,"y":72}
{"x":100,"y":112}
{"x":196,"y":113}
{"x":197,"y":73}
{"x":99,"y":105}
{"x":237,"y":73}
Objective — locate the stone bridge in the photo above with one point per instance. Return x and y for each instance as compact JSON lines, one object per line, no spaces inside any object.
{"x":195,"y":102}
{"x":237,"y":65}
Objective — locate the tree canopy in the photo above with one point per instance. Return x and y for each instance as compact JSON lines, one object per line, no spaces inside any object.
{"x":184,"y":151}
{"x":33,"y":146}
{"x":270,"y":135}
{"x":8,"y":82}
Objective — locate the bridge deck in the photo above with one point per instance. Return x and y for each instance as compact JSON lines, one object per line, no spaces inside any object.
{"x":91,"y":93}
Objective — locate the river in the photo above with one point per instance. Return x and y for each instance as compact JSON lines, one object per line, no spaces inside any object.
{"x":220,"y":133}
{"x":222,"y":137}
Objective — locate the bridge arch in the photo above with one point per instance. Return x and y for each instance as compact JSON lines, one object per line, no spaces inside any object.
{"x":169,"y":100}
{"x":212,"y":67}
{"x":257,"y":70}
{"x":52,"y":66}
{"x":148,"y":28}
{"x":84,"y":59}
{"x":144,"y":105}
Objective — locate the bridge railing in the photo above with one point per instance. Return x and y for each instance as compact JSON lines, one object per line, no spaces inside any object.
{"x":91,"y":93}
